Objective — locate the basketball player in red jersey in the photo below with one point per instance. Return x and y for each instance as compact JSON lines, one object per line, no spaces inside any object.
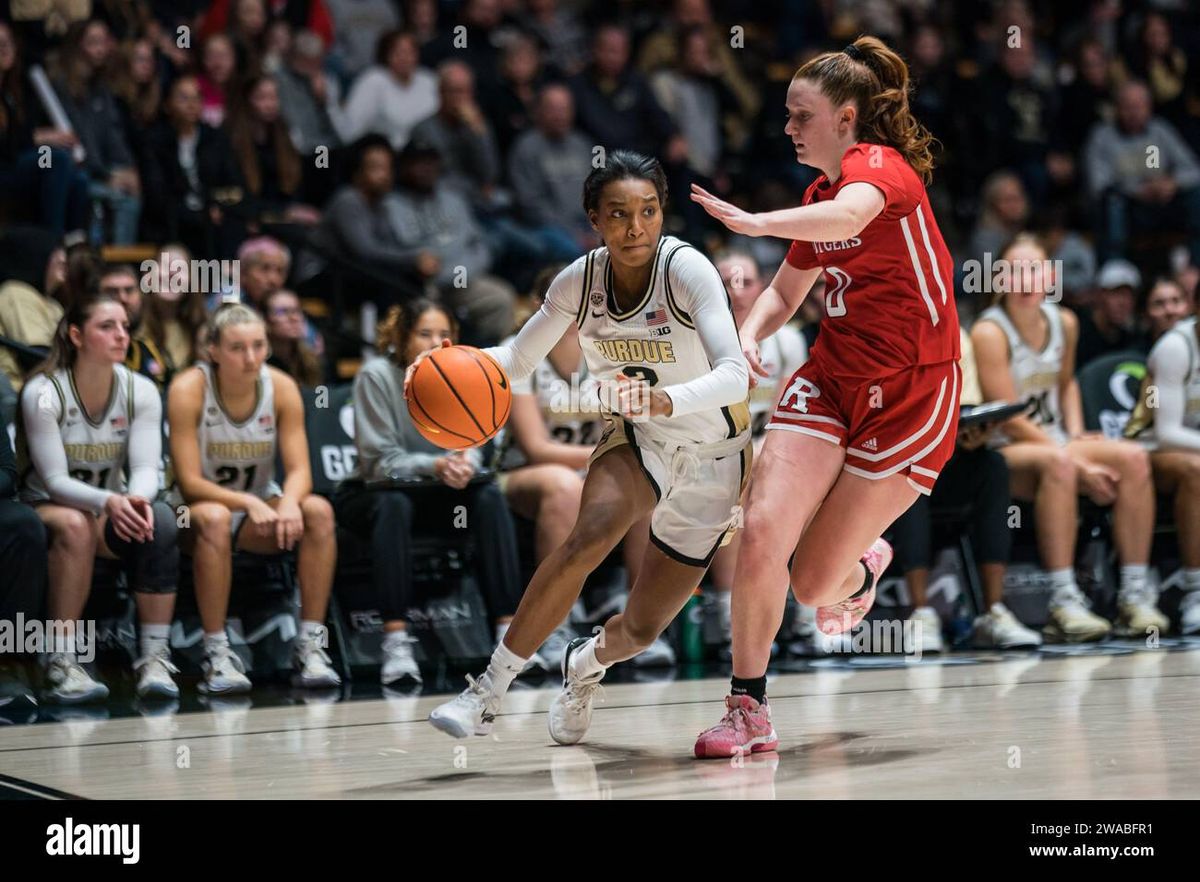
{"x":868,"y":421}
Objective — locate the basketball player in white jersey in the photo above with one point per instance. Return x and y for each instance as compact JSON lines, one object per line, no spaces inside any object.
{"x":657,"y":330}
{"x":781,"y":354}
{"x":555,"y":423}
{"x":85,"y":422}
{"x":227,"y":419}
{"x":1170,"y":429}
{"x":1025,"y":348}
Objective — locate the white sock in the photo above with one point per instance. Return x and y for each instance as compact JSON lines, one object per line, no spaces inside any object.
{"x":1062,"y":582}
{"x":584,"y":663}
{"x":155,"y":639}
{"x":501,"y":630}
{"x":503,"y":668}
{"x":214,"y":641}
{"x":392,"y":639}
{"x":1133,"y":578}
{"x":1191,"y":579}
{"x":63,"y":644}
{"x":313,"y":631}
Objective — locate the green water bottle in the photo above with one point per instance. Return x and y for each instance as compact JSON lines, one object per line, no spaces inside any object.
{"x":691,"y":638}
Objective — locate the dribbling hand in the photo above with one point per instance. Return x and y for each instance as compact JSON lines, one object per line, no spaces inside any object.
{"x":412,"y":368}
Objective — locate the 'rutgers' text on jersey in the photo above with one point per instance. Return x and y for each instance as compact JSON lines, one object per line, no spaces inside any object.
{"x":889,"y":291}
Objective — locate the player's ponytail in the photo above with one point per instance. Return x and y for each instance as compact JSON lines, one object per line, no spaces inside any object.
{"x":875,"y":79}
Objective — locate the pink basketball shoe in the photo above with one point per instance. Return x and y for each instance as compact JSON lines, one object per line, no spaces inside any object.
{"x":745,"y":728}
{"x":843,"y":616}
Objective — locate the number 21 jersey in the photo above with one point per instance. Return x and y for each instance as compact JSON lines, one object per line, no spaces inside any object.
{"x":239,"y":455}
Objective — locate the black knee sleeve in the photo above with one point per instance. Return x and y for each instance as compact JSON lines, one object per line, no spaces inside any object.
{"x":153,"y":566}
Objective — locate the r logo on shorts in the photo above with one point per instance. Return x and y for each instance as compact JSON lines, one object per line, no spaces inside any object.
{"x":799,"y":392}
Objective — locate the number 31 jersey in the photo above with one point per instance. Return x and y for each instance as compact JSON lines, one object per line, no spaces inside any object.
{"x":239,"y":455}
{"x":96,"y":450}
{"x":654,"y":339}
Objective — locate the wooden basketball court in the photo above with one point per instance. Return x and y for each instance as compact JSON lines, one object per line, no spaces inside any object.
{"x":1113,"y":721}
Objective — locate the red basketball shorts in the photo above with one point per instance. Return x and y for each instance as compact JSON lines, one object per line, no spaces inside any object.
{"x":905,"y":423}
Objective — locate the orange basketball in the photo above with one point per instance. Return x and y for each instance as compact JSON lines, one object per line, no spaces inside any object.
{"x":459,"y":397}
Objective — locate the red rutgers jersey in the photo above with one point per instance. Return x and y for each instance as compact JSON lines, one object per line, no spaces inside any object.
{"x":889,"y":292}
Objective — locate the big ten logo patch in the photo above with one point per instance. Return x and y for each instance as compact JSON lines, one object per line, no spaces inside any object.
{"x":338,"y":460}
{"x":798,"y":393}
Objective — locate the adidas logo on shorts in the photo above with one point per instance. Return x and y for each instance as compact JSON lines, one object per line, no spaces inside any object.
{"x":872,"y":444}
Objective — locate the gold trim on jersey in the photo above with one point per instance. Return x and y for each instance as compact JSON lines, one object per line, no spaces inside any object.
{"x":647,"y":294}
{"x":618,"y":432}
{"x":258,"y":398}
{"x":737,"y":417}
{"x":1142,"y":416}
{"x":112,"y":397}
{"x":680,"y":314}
{"x":588,"y":265}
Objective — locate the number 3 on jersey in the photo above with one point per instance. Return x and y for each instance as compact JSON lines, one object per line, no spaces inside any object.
{"x":637,"y":372}
{"x":835,"y":298}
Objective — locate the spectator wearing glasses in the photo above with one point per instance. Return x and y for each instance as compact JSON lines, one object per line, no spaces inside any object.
{"x":290,"y":351}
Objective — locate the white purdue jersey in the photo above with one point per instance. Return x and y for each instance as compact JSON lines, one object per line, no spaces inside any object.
{"x":570,"y":407}
{"x":1141,"y":421}
{"x":655,"y":339}
{"x":780,"y":355}
{"x":96,"y":451}
{"x":1187,"y":328}
{"x":1035,"y":374}
{"x":239,"y":455}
